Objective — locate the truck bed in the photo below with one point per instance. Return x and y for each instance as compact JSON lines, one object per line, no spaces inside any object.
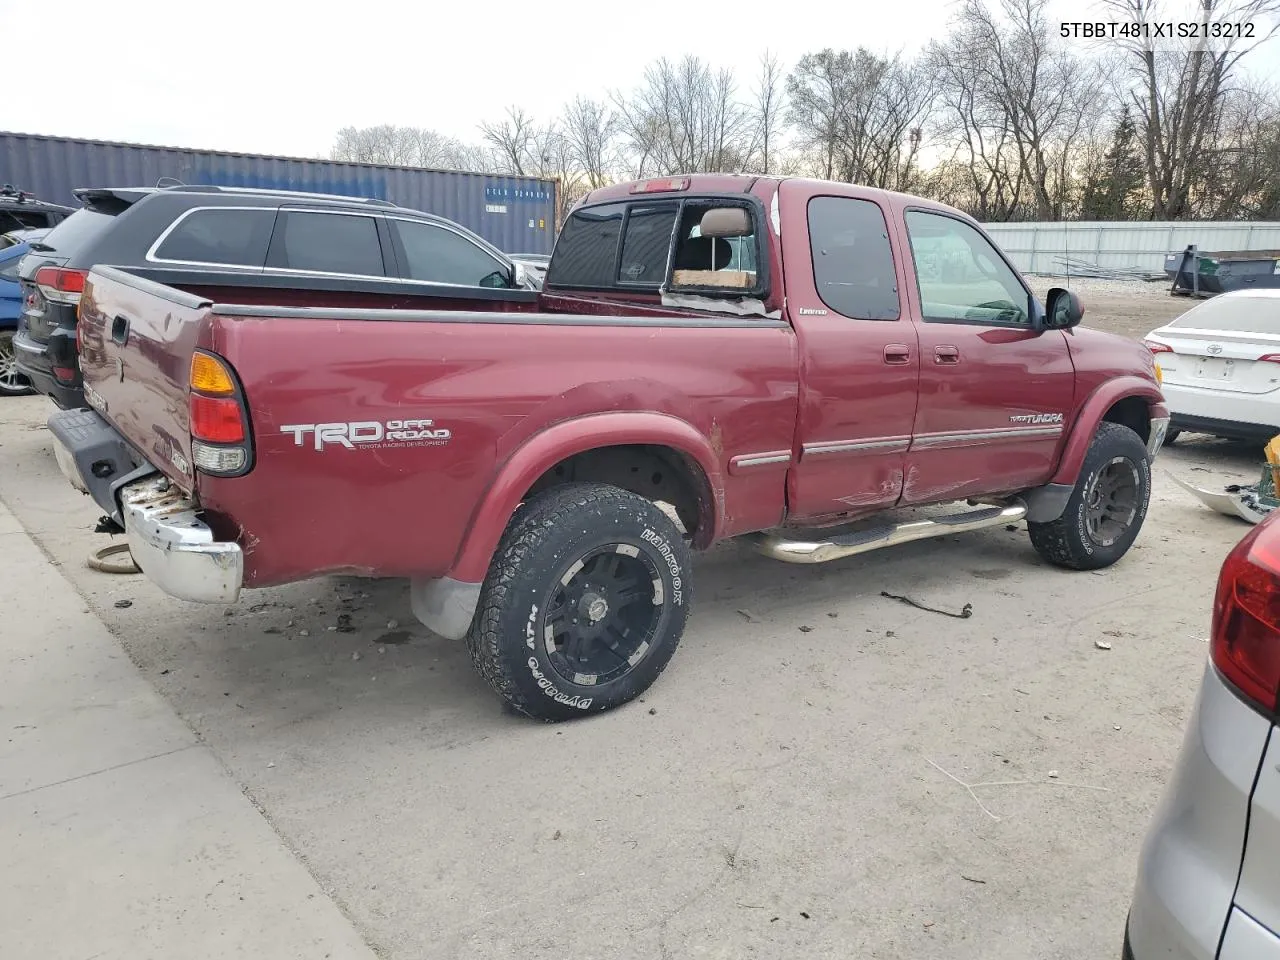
{"x":490,"y":370}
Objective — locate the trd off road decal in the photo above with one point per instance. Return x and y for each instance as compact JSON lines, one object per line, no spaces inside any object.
{"x":371,"y":434}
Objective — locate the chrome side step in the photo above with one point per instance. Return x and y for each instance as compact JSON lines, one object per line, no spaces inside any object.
{"x":886,"y":535}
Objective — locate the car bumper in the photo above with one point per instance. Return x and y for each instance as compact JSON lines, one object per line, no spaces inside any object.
{"x":1155,"y":438}
{"x":36,"y":362}
{"x":1191,"y":857}
{"x":1245,"y":416}
{"x":169,"y":541}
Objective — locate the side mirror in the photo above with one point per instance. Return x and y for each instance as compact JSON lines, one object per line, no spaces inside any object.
{"x":519,"y":276}
{"x":1063,"y":309}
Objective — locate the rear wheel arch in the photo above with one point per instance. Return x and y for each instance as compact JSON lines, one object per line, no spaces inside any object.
{"x":657,"y":456}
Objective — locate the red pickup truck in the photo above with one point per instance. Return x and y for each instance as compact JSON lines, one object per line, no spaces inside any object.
{"x":711,"y":356}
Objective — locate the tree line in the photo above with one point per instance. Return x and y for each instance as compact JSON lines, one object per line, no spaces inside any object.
{"x":1004,"y":119}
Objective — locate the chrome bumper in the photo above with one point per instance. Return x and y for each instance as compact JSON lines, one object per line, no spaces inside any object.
{"x":1155,"y":440}
{"x":175,"y":548}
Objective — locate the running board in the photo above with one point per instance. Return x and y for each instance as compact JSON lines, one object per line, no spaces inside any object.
{"x":885,"y":535}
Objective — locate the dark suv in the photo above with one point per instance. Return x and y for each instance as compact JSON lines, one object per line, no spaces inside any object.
{"x":370,"y":244}
{"x":21,"y":211}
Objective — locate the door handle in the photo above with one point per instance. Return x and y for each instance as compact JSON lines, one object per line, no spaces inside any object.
{"x":946,"y":354}
{"x":897,"y":353}
{"x":120,"y":330}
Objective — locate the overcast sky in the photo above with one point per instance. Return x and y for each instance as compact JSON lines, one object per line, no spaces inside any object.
{"x":282,"y":77}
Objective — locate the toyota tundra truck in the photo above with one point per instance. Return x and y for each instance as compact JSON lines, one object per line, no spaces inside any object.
{"x":821,"y":368}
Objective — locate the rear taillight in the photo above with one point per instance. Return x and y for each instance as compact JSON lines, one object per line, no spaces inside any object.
{"x":1269,"y":358}
{"x":1246,"y":616}
{"x":60,"y":285}
{"x":1157,"y":347}
{"x":219,"y":421}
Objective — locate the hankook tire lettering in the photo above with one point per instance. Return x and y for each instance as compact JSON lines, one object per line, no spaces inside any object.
{"x":677,"y":585}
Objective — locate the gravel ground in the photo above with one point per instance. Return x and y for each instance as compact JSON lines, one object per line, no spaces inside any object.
{"x":793,"y":786}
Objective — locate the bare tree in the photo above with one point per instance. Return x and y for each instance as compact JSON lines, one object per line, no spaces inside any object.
{"x":1020,"y":97}
{"x":589,"y":128}
{"x":514,"y":141}
{"x":409,"y":146}
{"x":684,"y":118}
{"x":861,"y":114}
{"x":1179,"y":93}
{"x":767,"y":112}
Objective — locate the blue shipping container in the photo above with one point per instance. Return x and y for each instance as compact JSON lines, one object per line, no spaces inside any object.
{"x":515,"y":214}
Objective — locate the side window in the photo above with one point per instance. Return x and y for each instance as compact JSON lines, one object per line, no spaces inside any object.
{"x":9,"y":269}
{"x":724,"y":255}
{"x":587,"y":248}
{"x":852,"y":260}
{"x":327,"y":243}
{"x":960,"y":274}
{"x":442,"y":256}
{"x":645,"y":247}
{"x":232,"y":237}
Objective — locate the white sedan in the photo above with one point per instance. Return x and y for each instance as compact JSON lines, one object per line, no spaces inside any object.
{"x":1220,"y":366}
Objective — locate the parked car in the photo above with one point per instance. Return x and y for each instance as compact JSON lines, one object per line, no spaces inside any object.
{"x":1220,"y":362}
{"x":1208,"y":884}
{"x":246,"y":231}
{"x":11,"y":381}
{"x":535,"y":264}
{"x":15,"y":237}
{"x":519,"y":455}
{"x":21,"y":211}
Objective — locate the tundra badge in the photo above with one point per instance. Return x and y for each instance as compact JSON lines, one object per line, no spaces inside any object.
{"x":1036,"y":418}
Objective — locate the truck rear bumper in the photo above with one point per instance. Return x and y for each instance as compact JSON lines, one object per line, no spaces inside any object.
{"x":175,"y":548}
{"x":169,"y":542}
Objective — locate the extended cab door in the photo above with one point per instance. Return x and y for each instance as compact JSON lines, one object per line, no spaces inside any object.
{"x":994,"y":392}
{"x":859,"y":362}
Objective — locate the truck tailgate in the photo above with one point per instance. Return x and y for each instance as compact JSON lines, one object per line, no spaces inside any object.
{"x":136,"y":341}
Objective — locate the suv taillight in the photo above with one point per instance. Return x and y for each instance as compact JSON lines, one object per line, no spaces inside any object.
{"x":219,"y":420}
{"x":1246,"y":616}
{"x":60,"y":285}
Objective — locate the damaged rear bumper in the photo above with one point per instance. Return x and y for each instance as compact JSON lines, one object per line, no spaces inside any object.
{"x":169,"y":541}
{"x":175,"y":548}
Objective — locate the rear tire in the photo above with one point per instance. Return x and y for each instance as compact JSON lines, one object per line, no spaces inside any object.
{"x":1106,"y":509}
{"x":584,"y":604}
{"x":12,"y":383}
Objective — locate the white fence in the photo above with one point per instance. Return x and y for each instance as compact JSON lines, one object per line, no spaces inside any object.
{"x":1039,"y":247}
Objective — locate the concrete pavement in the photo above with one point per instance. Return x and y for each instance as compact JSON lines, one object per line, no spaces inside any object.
{"x":121,"y":834}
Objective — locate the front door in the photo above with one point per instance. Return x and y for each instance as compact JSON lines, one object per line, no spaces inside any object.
{"x":859,"y":362}
{"x":994,"y":392}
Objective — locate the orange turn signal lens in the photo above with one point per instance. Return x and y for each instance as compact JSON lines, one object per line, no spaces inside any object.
{"x":209,"y":375}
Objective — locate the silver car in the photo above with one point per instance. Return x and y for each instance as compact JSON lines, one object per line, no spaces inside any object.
{"x":1209,"y":877}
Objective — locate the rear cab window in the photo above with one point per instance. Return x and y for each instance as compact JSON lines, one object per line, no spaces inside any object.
{"x":660,"y":245}
{"x":225,"y":236}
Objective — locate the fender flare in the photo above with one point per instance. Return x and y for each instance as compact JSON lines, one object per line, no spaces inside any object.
{"x":1091,"y":413}
{"x":548,"y":447}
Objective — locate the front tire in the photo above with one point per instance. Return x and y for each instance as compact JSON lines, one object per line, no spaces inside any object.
{"x":584,"y":604}
{"x":1106,"y":509}
{"x":1170,"y":436}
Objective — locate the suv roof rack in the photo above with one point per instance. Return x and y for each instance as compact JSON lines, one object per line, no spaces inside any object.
{"x":267,"y":191}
